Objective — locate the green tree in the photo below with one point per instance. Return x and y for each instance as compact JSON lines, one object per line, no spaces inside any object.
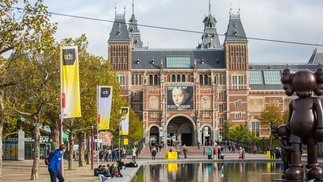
{"x":226,"y":129}
{"x":94,"y":71}
{"x":135,"y":127}
{"x":30,"y":95}
{"x":271,"y":115}
{"x":22,"y":30}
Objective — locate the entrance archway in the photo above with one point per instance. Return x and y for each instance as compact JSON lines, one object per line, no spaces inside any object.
{"x":180,"y":131}
{"x":154,"y":135}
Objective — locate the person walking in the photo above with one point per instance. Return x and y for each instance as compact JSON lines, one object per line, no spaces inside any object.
{"x":134,"y":154}
{"x":54,"y":167}
{"x":198,"y":145}
{"x":209,"y":153}
{"x":214,"y":152}
{"x":153,"y":153}
{"x":85,"y":156}
{"x":184,"y":151}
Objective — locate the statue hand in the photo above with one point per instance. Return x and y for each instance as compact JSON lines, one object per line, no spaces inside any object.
{"x":318,"y":135}
{"x":291,"y":148}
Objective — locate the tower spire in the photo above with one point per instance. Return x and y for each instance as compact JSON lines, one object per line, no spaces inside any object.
{"x":230,"y":12}
{"x":133,"y":7}
{"x":209,"y":7}
{"x":115,"y":8}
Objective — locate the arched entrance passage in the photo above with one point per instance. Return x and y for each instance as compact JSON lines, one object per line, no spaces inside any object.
{"x":180,"y":130}
{"x":154,"y":135}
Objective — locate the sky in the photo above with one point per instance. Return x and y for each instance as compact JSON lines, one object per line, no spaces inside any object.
{"x":289,"y":20}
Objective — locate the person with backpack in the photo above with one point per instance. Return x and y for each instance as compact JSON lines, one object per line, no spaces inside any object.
{"x":54,"y":166}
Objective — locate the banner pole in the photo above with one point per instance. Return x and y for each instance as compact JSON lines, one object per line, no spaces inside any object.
{"x":97,"y":120}
{"x":61,"y":142}
{"x":92,"y":146}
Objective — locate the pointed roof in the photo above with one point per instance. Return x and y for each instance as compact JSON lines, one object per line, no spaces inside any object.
{"x":235,"y":31}
{"x":317,"y":56}
{"x":210,"y":39}
{"x":119,"y":32}
{"x":133,"y":30}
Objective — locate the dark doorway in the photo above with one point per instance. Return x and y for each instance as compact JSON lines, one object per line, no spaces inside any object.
{"x":187,"y":139}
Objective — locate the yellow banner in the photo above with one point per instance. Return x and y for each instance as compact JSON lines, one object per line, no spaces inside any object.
{"x":70,"y":84}
{"x":124,"y":124}
{"x":104,"y":107}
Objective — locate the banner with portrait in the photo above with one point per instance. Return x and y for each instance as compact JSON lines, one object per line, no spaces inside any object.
{"x":179,"y":97}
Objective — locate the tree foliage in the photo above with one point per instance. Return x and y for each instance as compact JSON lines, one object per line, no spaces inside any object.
{"x":135,"y":127}
{"x":242,"y":133}
{"x":227,"y":128}
{"x":25,"y":28}
{"x":271,"y":115}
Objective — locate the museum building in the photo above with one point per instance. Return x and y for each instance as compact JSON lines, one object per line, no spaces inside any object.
{"x":186,"y":95}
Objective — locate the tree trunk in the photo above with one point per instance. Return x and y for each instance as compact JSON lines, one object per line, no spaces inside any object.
{"x":70,"y":152}
{"x":55,"y":134}
{"x":1,"y":154}
{"x":35,"y":167}
{"x":81,"y":149}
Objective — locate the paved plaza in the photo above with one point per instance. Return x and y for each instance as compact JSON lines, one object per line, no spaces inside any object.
{"x":21,"y":170}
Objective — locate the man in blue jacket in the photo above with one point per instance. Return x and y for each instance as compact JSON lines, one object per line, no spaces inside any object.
{"x":54,"y":166}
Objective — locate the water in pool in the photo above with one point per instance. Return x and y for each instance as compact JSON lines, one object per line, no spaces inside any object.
{"x":213,"y":172}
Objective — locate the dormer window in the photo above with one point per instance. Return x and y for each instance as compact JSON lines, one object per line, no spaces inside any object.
{"x":118,"y":32}
{"x":202,"y":61}
{"x":235,"y":25}
{"x":153,"y":61}
{"x":138,"y":61}
{"x":235,"y":33}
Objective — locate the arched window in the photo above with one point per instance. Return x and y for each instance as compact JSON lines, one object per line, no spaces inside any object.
{"x":205,"y":80}
{"x":173,"y":78}
{"x":151,"y":81}
{"x":178,"y":78}
{"x":155,"y":80}
{"x":183,"y":78}
{"x":201,"y":79}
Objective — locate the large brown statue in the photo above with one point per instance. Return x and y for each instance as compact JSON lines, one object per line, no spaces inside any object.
{"x":305,"y":122}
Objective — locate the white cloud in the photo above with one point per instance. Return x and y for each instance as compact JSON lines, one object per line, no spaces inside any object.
{"x":295,"y":21}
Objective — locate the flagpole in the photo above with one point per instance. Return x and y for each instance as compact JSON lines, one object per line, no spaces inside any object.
{"x":61,"y":142}
{"x":97,"y":127}
{"x":92,"y":146}
{"x":119,"y":142}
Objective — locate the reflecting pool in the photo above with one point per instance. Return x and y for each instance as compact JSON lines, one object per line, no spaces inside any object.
{"x":215,"y":172}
